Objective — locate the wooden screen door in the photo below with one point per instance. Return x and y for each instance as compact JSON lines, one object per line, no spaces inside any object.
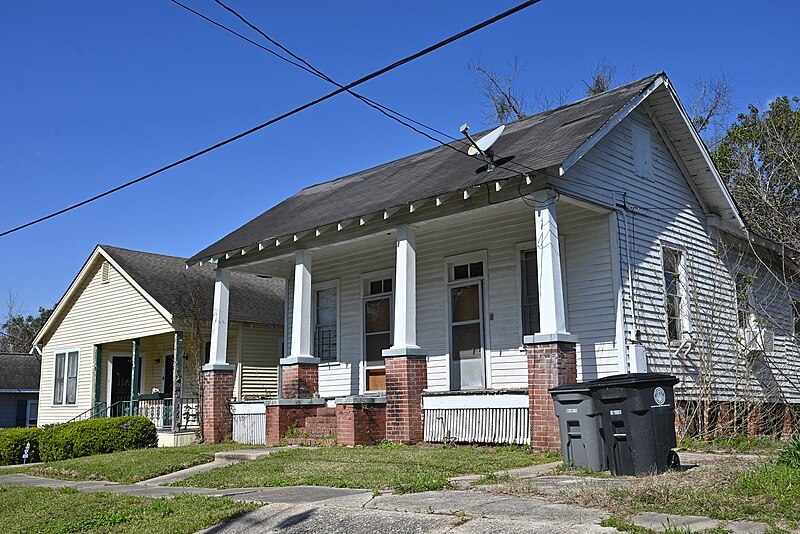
{"x":466,"y":336}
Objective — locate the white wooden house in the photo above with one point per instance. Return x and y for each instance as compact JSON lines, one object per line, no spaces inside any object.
{"x":109,"y":347}
{"x":603,"y":224}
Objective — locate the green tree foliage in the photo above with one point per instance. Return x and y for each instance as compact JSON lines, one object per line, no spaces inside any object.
{"x":18,"y":331}
{"x":759,"y":157}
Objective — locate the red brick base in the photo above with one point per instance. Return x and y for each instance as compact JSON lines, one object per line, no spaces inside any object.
{"x":549,"y":365}
{"x":299,"y":381}
{"x":360,"y":423}
{"x":281,"y":418}
{"x":406,"y":378}
{"x":217,"y":419}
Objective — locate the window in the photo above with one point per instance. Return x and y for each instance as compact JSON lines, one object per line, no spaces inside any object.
{"x":65,"y":388}
{"x":796,"y":314}
{"x":530,"y":292}
{"x":744,"y":295}
{"x":377,"y":330}
{"x":325,"y":327}
{"x":673,"y":292}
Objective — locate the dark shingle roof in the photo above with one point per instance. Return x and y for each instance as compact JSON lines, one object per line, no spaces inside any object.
{"x":19,"y":371}
{"x":253,"y":299}
{"x":538,"y":142}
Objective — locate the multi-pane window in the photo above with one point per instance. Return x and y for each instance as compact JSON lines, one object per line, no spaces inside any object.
{"x":65,"y":387}
{"x":673,"y":292}
{"x":377,"y":330}
{"x":325,"y":326}
{"x":743,"y":298}
{"x":530,"y":292}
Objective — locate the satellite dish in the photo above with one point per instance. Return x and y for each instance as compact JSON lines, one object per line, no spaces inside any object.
{"x":484,"y":143}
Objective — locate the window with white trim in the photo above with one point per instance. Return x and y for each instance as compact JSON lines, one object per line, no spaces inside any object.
{"x":326,"y":312}
{"x":796,"y":316}
{"x":530,"y":292}
{"x":378,"y":326}
{"x":673,"y":292}
{"x":65,"y":388}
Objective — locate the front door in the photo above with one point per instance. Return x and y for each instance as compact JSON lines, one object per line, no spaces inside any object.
{"x":466,"y":336}
{"x":120,"y":379}
{"x":168,"y":378}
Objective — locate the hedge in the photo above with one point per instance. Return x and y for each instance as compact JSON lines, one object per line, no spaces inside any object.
{"x":96,"y":436}
{"x":12,"y":445}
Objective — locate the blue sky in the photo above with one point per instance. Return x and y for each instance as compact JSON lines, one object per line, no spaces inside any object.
{"x":94,"y":93}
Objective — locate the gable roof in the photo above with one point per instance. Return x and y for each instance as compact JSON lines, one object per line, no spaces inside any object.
{"x":549,"y":139}
{"x":19,"y":372}
{"x":168,"y":285}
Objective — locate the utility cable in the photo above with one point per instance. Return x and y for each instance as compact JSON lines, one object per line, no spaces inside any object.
{"x":296,"y":110}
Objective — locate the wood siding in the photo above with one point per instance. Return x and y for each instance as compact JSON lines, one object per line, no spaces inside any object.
{"x":100,"y":313}
{"x":664,"y":212}
{"x":259,"y":361}
{"x":499,"y":231}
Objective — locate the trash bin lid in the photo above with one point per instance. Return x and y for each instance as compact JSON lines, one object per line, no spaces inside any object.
{"x":580,"y":387}
{"x":633,"y":379}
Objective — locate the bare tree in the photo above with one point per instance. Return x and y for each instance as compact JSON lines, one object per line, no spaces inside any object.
{"x":18,"y":331}
{"x":503,"y":101}
{"x":602,"y":77}
{"x":710,"y":106}
{"x":193,"y":305}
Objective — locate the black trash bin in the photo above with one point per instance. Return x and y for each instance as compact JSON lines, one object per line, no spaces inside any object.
{"x":638,"y":422}
{"x":579,"y":425}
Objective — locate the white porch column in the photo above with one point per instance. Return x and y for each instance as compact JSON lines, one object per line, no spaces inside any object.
{"x":219,"y":323}
{"x":552,"y":314}
{"x":301,"y":307}
{"x":405,"y":295}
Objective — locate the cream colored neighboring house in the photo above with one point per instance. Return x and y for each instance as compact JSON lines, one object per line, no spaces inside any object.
{"x":125,"y":302}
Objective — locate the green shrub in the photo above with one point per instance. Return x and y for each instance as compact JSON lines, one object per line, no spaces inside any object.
{"x":12,"y":445}
{"x":97,"y":436}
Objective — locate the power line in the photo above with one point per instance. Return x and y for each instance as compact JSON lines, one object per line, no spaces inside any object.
{"x":304,"y":65}
{"x":301,"y":63}
{"x":296,"y":110}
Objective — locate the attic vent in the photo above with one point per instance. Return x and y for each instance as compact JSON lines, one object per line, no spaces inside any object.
{"x":105,"y":272}
{"x":642,"y":152}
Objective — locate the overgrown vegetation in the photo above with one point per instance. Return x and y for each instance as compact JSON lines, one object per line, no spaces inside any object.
{"x":131,"y":466}
{"x":404,"y":469}
{"x":45,"y":510}
{"x":736,"y":443}
{"x":766,"y":492}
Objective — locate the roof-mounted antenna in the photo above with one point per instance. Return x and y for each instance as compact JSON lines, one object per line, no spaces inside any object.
{"x":483,"y":146}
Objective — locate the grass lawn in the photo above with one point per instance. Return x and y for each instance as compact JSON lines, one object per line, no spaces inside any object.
{"x":128,"y":467}
{"x":732,"y":444}
{"x":404,"y":469}
{"x":30,"y":509}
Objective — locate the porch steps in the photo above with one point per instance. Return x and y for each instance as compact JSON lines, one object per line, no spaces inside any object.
{"x":319,"y":429}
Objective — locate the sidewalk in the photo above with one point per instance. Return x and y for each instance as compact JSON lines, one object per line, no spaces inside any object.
{"x":468,"y":509}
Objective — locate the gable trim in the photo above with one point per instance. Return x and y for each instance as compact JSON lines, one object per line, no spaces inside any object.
{"x":587,"y":145}
{"x":62,"y":306}
{"x":704,"y":151}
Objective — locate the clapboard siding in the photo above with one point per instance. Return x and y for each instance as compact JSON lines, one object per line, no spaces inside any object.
{"x":665,"y":212}
{"x":498,"y":233}
{"x":259,"y":360}
{"x":108,"y":312}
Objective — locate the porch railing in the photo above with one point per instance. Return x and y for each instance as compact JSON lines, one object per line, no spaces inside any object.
{"x":159,"y":411}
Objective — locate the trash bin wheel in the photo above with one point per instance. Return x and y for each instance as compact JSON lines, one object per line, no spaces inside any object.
{"x":673,"y":461}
